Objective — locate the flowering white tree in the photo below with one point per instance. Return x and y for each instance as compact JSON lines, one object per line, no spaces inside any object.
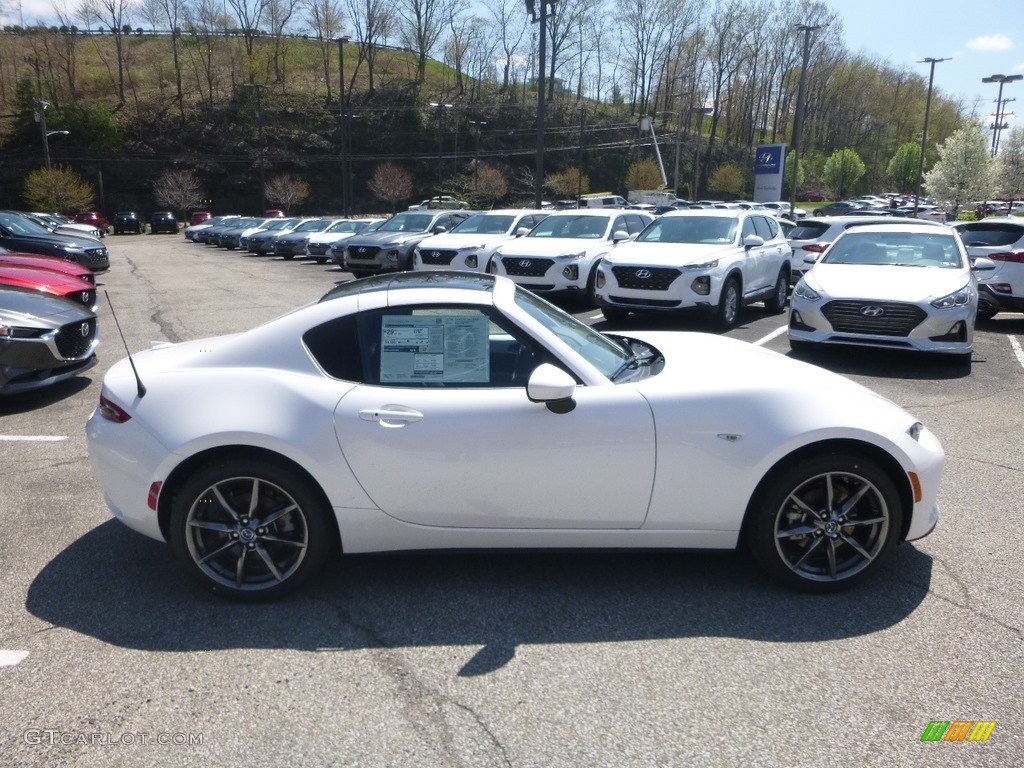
{"x":1009,"y":170}
{"x":964,"y":169}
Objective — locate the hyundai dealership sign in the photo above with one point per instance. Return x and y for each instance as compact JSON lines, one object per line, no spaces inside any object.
{"x":769,"y":167}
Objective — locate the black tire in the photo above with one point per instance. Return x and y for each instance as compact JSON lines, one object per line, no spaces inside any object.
{"x":591,"y":290}
{"x":615,"y":315}
{"x":776,"y":303}
{"x":321,"y":260}
{"x":215,"y":528}
{"x":357,"y":273}
{"x":801,"y":532}
{"x":962,"y":359}
{"x":729,"y":303}
{"x":802,"y":348}
{"x":287,"y":256}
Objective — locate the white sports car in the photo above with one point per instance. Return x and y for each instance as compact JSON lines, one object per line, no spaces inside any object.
{"x":441,"y":410}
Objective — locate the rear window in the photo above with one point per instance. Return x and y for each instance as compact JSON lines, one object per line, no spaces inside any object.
{"x":998,"y":234}
{"x":809,"y":230}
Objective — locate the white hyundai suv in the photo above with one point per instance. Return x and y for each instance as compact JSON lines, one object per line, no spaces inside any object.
{"x":711,"y":259}
{"x":469,"y":245}
{"x":561,"y":253}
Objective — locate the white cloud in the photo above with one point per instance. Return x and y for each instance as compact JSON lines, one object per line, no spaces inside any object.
{"x":996,"y":42}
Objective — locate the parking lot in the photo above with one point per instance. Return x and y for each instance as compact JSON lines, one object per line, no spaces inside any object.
{"x":109,"y":656}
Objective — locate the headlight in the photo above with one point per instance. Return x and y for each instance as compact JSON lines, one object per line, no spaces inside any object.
{"x":471,"y":261}
{"x":391,"y":255}
{"x":571,"y":256}
{"x":702,"y":265}
{"x":915,"y":430}
{"x":73,"y":248}
{"x":804,"y":291}
{"x":956,"y":299}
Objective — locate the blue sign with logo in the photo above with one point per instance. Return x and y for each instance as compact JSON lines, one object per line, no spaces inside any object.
{"x":769,"y":158}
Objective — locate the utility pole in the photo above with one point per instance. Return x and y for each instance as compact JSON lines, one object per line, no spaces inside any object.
{"x":343,"y":115}
{"x":541,"y":95}
{"x":798,"y":124}
{"x":1000,"y":114}
{"x":924,"y":133}
{"x":259,"y":126}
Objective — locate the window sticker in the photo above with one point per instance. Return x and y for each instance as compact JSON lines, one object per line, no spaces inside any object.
{"x":434,"y":348}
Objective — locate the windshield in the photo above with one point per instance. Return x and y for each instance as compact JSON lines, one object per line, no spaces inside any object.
{"x":576,"y":227}
{"x":485,"y":224}
{"x":276,"y":224}
{"x":313,"y":225}
{"x":412,"y":222}
{"x":347,"y":226}
{"x":19,"y":225}
{"x":599,"y":350}
{"x":690,"y":229}
{"x":901,"y":249}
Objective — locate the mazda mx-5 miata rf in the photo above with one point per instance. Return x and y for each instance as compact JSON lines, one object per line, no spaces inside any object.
{"x":447,"y":410}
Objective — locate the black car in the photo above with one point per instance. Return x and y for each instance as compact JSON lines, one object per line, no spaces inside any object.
{"x":128,"y":221}
{"x":390,"y":247}
{"x":292,"y":244}
{"x":163,"y":221}
{"x":45,"y":339}
{"x":20,"y":235}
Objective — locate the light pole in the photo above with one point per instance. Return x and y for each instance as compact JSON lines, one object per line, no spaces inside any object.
{"x":441,"y":107}
{"x":476,"y":155}
{"x":702,"y":111}
{"x":579,"y":160}
{"x":259,"y":124}
{"x":541,"y":96}
{"x":46,"y":143}
{"x":798,"y":122}
{"x":924,"y":134}
{"x":1002,"y":80}
{"x":343,"y":114}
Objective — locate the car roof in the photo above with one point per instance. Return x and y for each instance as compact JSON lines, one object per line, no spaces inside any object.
{"x":725,"y":213}
{"x":477,"y":281}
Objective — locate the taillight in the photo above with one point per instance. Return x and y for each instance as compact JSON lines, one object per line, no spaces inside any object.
{"x":112,"y":412}
{"x":154,"y":494}
{"x":1014,"y":257}
{"x":816,"y":247}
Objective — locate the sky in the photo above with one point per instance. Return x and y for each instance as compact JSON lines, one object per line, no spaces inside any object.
{"x":980,"y":38}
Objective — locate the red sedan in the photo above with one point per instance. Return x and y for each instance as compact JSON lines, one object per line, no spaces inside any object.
{"x":52,"y":263}
{"x":52,"y":283}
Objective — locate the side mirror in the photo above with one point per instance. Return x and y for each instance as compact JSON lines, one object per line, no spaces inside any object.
{"x":810,"y":259}
{"x":439,"y":229}
{"x":981,"y":264}
{"x":552,"y":386}
{"x":619,"y":235}
{"x":522,"y":231}
{"x":753,"y":241}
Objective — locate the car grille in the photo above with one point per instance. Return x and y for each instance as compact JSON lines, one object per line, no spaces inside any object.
{"x":362,"y":252}
{"x":97,"y":255}
{"x":645,"y":278}
{"x":883,"y":318}
{"x":437,"y":257}
{"x":668,"y":304}
{"x":317,"y":249}
{"x":74,"y":339}
{"x":524,"y":267}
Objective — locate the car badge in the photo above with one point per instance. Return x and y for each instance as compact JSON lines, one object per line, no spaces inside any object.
{"x":361,"y":249}
{"x":85,"y":296}
{"x":872,"y":311}
{"x":525,"y":263}
{"x":643,"y":274}
{"x":435,"y":254}
{"x":84,"y":330}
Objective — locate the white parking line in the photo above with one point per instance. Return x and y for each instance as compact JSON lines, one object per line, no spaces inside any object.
{"x":35,"y":438}
{"x":12,"y":658}
{"x":1017,"y":351}
{"x":765,"y":339}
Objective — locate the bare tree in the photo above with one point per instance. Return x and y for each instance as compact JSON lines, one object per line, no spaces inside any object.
{"x":203,"y":21}
{"x":391,"y":183}
{"x":169,"y":12}
{"x":118,"y":14}
{"x":509,"y":23}
{"x":279,"y":15}
{"x":374,"y":22}
{"x":249,"y":14}
{"x":178,"y":190}
{"x":287,"y":191}
{"x":67,"y":49}
{"x":421,"y":24}
{"x":325,"y":17}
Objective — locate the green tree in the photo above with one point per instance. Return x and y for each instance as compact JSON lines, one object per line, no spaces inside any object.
{"x":57,"y":189}
{"x":643,"y":174}
{"x":963,"y":171}
{"x":843,"y":170}
{"x":727,"y":180}
{"x":903,"y":168}
{"x":1009,"y":168}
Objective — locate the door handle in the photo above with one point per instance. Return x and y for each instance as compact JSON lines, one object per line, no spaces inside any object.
{"x":391,"y":416}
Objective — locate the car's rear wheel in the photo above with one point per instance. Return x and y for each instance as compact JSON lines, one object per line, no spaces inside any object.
{"x":250,"y":529}
{"x":729,"y":304}
{"x":357,"y":273}
{"x":776,"y":303}
{"x":825,"y":522}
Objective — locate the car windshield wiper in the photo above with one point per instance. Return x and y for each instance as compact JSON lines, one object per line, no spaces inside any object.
{"x":636,"y":360}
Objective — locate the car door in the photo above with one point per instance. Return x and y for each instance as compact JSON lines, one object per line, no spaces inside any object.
{"x":774,"y":252}
{"x":441,"y":432}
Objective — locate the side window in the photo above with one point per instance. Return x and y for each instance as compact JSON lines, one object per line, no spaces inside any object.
{"x":763,"y":227}
{"x":635,"y":223}
{"x":619,"y":225}
{"x":748,"y":228}
{"x":442,"y":347}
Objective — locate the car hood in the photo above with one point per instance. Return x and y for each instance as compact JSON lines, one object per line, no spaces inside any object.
{"x":554,"y":246}
{"x":81,"y":241}
{"x":456,"y":240}
{"x":51,"y":263}
{"x":667,"y":254}
{"x":32,"y":277}
{"x":378,"y":239}
{"x":33,"y":309}
{"x":325,"y":238}
{"x":885,"y":282}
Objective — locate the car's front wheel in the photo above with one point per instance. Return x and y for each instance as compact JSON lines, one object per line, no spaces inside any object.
{"x":614,"y":315}
{"x":729,"y":304}
{"x":249,"y":528}
{"x":825,"y":522}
